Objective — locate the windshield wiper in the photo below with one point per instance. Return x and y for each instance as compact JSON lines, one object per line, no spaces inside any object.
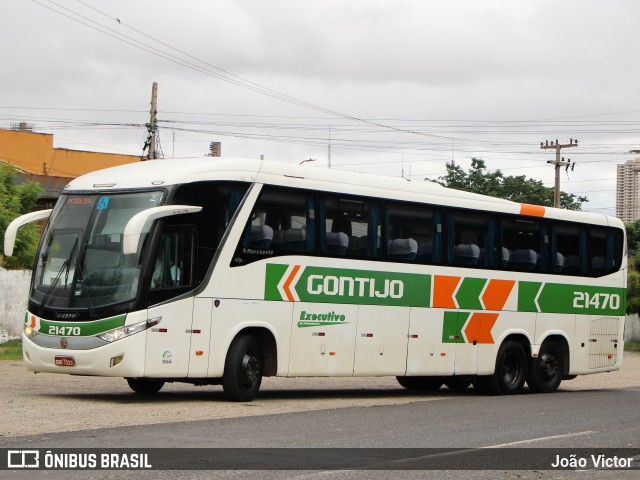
{"x":66,"y":264}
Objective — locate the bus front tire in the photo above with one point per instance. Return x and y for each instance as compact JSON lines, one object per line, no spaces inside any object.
{"x":420,"y":383}
{"x":546,"y":370}
{"x":243,"y":369}
{"x":145,"y":386}
{"x":510,"y":373}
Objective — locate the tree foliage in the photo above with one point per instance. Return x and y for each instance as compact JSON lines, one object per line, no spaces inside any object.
{"x":633,"y":277}
{"x":16,"y":200}
{"x":517,"y":188}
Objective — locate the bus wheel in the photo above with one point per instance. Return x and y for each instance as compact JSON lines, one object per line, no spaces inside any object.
{"x":510,"y":373}
{"x":546,"y":370}
{"x":145,"y":386}
{"x":420,"y":383}
{"x":243,"y":369}
{"x":457,"y":384}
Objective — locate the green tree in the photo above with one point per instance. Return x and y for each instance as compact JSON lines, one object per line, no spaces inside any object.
{"x":16,"y":200}
{"x":517,"y":188}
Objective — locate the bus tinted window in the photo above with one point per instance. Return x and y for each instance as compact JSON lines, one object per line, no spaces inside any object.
{"x":413,"y":233}
{"x":282,"y":222}
{"x":219,"y":202}
{"x":471,"y":239}
{"x":568,"y":248}
{"x":605,"y":250}
{"x":350,"y":227}
{"x":524,"y":246}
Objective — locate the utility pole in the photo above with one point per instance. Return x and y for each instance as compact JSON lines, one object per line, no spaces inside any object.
{"x":559,"y":163}
{"x":152,"y":127}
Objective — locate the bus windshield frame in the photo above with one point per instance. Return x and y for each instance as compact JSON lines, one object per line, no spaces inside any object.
{"x":80,"y":271}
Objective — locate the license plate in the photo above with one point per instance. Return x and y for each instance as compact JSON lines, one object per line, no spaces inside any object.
{"x":65,"y":361}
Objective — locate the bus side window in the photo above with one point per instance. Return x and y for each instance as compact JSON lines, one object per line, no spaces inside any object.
{"x":173,"y":266}
{"x":471,"y":238}
{"x":412,"y":233}
{"x":350,"y":227}
{"x":282,"y":222}
{"x":604,"y":250}
{"x":524,"y":245}
{"x":568,"y":248}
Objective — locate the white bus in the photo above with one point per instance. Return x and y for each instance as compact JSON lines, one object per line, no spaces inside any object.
{"x":224,"y":271}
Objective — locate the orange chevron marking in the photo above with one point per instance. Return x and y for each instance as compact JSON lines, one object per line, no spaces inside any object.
{"x":479,"y":327}
{"x":531,"y":210}
{"x":287,"y":283}
{"x":496,"y":294}
{"x":443,"y":290}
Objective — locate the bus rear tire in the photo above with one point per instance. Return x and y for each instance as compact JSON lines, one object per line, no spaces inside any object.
{"x":420,"y":383}
{"x":243,"y":369}
{"x":145,"y":386}
{"x":510,"y":373}
{"x":546,"y":370}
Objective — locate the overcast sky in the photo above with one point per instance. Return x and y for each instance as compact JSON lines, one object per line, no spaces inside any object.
{"x":394,"y":86}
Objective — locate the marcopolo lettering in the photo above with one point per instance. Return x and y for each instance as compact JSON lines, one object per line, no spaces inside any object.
{"x":354,"y":286}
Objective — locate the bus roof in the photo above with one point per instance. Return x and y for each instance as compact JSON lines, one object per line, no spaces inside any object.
{"x":159,"y":173}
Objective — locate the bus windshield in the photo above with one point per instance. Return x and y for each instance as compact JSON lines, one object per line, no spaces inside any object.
{"x":80,"y":265}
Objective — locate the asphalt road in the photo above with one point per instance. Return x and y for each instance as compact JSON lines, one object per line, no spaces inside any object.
{"x":338,"y":414}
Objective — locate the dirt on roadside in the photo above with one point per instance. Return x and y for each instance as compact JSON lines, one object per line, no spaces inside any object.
{"x":42,"y":403}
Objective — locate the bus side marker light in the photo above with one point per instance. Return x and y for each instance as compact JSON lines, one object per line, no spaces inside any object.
{"x":318,"y":334}
{"x":199,"y":352}
{"x":413,"y":336}
{"x":610,"y":356}
{"x":443,"y":354}
{"x":332,"y":353}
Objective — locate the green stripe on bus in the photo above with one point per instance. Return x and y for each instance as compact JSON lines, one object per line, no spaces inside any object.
{"x":468,"y":295}
{"x":80,"y":329}
{"x":349,"y":286}
{"x":452,"y":326}
{"x":566,"y":298}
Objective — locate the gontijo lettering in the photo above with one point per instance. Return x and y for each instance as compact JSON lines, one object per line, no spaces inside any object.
{"x":360,"y":286}
{"x":297,"y":283}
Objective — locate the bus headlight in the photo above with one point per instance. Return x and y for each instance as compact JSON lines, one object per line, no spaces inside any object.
{"x":127,"y":330}
{"x":30,"y":332}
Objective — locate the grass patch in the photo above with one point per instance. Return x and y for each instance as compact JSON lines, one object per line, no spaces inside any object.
{"x":632,"y":346}
{"x":12,"y":350}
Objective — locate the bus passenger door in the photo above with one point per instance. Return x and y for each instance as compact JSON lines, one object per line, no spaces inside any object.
{"x":200,"y":337}
{"x":169,"y":342}
{"x":432,"y":347}
{"x":322,"y":339}
{"x":381,"y":340}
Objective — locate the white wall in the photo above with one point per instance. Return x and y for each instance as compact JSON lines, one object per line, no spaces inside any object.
{"x":632,"y":328}
{"x":14,"y":289}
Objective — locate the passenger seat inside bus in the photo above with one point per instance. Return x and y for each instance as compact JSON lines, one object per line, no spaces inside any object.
{"x":466,"y":254}
{"x":403,"y":249}
{"x":337,"y":243}
{"x":261,"y":236}
{"x":523,"y":259}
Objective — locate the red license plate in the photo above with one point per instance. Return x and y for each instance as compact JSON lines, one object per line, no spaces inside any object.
{"x":65,"y":361}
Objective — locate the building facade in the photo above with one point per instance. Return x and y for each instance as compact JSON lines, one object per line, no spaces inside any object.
{"x":627,"y":195}
{"x":38,"y":161}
